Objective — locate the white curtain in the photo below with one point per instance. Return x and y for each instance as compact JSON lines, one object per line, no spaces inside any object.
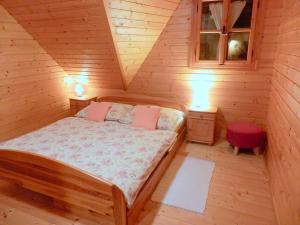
{"x":236,"y":9}
{"x":216,"y":10}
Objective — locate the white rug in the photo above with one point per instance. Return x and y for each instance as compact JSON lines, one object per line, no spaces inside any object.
{"x":186,"y":183}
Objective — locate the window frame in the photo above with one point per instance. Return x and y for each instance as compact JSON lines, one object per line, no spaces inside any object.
{"x":222,"y":62}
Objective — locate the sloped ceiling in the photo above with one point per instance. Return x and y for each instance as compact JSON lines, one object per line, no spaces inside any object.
{"x":108,"y":44}
{"x":136,"y":26}
{"x":75,"y":33}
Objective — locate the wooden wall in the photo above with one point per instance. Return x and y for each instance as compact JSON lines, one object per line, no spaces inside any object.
{"x":136,"y":26}
{"x":240,"y":95}
{"x":31,"y":83}
{"x":76,"y":34}
{"x":152,"y":40}
{"x":283,"y":156}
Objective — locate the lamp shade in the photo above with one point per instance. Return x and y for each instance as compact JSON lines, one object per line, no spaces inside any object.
{"x":79,"y":90}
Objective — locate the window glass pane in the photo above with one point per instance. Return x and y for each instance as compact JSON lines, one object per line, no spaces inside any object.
{"x":238,"y":46}
{"x":241,"y":13}
{"x":209,"y":46}
{"x":211,"y":18}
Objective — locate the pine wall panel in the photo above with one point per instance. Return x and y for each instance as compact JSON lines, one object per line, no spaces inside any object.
{"x":283,"y":154}
{"x":31,"y":82}
{"x":136,"y":26}
{"x":76,"y":34}
{"x":241,"y":95}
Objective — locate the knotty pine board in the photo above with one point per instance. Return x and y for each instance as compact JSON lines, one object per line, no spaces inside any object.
{"x":31,"y":82}
{"x":76,"y":35}
{"x":283,"y":155}
{"x":241,"y":95}
{"x":136,"y":26}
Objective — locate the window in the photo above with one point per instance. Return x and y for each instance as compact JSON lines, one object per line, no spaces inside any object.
{"x":223,"y":33}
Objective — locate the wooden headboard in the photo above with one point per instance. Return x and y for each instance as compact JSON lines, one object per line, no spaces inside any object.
{"x":144,"y":100}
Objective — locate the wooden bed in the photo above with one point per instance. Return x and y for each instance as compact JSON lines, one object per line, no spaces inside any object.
{"x":72,"y":187}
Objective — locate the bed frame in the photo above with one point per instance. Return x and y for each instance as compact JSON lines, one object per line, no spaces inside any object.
{"x":72,"y":186}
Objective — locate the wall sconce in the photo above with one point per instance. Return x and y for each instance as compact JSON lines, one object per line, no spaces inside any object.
{"x":79,"y":90}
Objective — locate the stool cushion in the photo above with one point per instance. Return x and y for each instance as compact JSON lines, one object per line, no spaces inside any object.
{"x":245,"y":135}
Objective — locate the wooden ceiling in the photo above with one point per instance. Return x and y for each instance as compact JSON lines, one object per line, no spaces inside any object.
{"x":136,"y":26}
{"x":107,"y":45}
{"x":75,"y":33}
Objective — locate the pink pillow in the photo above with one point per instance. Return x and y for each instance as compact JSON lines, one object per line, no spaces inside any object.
{"x":145,"y":117}
{"x":97,"y":111}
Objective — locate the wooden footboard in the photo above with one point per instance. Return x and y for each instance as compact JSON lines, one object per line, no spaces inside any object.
{"x":64,"y":183}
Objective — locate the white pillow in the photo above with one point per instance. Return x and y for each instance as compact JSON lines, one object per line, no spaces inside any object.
{"x":169,"y":119}
{"x":124,"y":113}
{"x":127,"y":117}
{"x":82,"y":113}
{"x":118,"y":111}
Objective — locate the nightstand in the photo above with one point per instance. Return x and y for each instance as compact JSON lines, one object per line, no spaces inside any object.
{"x":201,"y":125}
{"x":78,"y":103}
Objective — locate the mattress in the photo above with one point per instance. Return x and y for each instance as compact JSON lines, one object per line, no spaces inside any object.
{"x":115,"y":152}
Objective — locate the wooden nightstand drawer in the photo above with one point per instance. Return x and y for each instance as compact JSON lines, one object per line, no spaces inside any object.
{"x":201,"y":130}
{"x":77,"y":104}
{"x":201,"y":125}
{"x":202,"y":116}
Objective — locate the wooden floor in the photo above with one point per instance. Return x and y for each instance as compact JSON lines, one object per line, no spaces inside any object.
{"x":239,"y":195}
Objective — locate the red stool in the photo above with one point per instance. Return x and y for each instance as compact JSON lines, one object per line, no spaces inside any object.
{"x":245,"y":135}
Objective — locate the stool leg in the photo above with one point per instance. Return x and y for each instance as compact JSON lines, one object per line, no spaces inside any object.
{"x":256,"y":150}
{"x":236,"y":150}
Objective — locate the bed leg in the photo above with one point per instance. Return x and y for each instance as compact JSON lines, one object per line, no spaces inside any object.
{"x":120,"y":209}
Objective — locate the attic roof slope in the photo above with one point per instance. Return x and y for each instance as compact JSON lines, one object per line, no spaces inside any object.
{"x":136,"y":26}
{"x":75,"y":33}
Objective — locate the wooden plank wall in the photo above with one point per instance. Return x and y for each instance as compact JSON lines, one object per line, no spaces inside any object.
{"x":240,"y":95}
{"x":136,"y":26}
{"x":76,"y":34}
{"x":283,"y":156}
{"x":31,"y":83}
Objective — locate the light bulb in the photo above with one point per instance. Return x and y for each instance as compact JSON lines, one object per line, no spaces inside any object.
{"x":79,"y":90}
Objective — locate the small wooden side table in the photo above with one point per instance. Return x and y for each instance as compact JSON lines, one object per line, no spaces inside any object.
{"x":78,"y":103}
{"x":201,"y":125}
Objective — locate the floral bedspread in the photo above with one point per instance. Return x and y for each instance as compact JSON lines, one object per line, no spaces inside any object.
{"x":116,"y":152}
